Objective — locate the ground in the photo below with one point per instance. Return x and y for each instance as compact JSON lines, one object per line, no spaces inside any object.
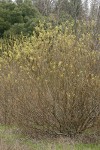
{"x":11,"y":139}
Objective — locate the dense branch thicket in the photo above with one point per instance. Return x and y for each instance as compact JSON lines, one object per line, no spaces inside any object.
{"x":50,"y":66}
{"x":50,"y":82}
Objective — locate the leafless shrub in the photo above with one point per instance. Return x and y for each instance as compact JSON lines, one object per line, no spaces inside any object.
{"x":53,"y":92}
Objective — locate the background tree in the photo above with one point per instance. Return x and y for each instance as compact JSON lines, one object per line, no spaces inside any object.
{"x":19,"y":1}
{"x":95,"y":19}
{"x":16,"y":16}
{"x":44,"y":6}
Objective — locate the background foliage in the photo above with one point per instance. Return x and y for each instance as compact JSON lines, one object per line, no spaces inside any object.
{"x":17,"y":18}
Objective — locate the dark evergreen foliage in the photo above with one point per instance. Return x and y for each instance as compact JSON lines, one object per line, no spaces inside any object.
{"x":16,"y":17}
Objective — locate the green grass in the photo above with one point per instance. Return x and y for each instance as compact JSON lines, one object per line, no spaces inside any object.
{"x":62,"y":146}
{"x":87,"y":147}
{"x":10,"y":137}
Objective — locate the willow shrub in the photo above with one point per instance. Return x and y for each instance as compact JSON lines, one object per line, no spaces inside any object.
{"x":50,"y":82}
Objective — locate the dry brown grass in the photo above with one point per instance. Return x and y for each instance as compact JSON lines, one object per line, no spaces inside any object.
{"x":15,"y":146}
